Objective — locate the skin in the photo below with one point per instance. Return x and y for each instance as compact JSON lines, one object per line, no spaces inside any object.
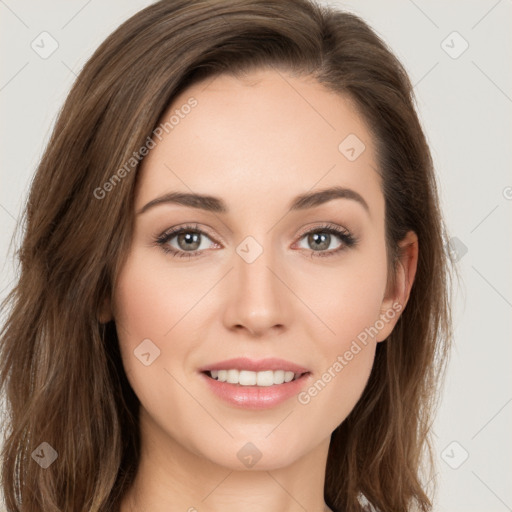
{"x":257,"y":143}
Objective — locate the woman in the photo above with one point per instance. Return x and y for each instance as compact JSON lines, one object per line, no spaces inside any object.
{"x":233,"y":287}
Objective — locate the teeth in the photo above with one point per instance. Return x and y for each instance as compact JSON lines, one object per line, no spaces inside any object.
{"x":248,"y":378}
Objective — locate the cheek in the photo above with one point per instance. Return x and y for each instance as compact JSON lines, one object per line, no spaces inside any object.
{"x":359,"y":302}
{"x":150,"y":300}
{"x":347,"y":355}
{"x":351,"y":309}
{"x":163,"y":306}
{"x":334,"y":393}
{"x":146,"y":307}
{"x":346,"y":298}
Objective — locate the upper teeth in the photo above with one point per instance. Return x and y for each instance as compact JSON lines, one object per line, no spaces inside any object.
{"x":248,"y":378}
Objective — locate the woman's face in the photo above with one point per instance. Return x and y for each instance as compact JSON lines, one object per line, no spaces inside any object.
{"x":263,"y":276}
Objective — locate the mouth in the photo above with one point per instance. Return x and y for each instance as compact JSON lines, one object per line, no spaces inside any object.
{"x":256,"y":390}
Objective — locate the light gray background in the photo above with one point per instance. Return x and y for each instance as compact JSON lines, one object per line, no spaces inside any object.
{"x":465,"y":104}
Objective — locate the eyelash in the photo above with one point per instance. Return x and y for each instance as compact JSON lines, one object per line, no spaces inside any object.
{"x":348,"y":240}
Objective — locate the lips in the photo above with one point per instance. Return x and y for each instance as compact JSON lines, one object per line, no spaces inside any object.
{"x":259,"y":365}
{"x":255,"y":397}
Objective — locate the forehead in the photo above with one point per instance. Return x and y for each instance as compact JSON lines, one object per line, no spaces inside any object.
{"x":268,"y":136}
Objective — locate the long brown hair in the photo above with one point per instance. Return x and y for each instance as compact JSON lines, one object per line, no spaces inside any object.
{"x":60,"y":367}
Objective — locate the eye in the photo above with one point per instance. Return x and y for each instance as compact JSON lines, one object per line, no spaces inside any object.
{"x":320,"y":238}
{"x":188,"y":239}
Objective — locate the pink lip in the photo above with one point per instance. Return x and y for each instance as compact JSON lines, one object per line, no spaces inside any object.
{"x":244,"y":363}
{"x":256,"y":397}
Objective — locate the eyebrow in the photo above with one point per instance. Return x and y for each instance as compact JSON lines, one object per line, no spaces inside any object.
{"x":217,"y":205}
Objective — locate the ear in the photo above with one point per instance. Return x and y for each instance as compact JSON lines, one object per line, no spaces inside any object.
{"x":396,"y":299}
{"x":105,"y":314}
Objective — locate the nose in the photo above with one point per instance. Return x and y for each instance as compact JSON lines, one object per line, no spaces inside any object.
{"x":259,"y":300}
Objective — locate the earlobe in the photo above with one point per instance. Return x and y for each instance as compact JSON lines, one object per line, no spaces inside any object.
{"x":396,"y":300}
